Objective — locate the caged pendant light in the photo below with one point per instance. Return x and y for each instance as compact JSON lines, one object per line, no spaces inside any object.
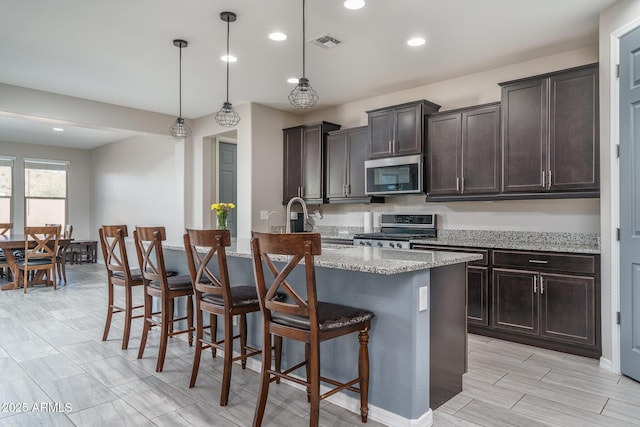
{"x":303,"y":95}
{"x":227,"y":116}
{"x":179,"y":129}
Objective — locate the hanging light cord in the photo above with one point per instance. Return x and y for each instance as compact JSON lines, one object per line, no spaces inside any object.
{"x":228,"y":19}
{"x":303,"y":48}
{"x":180,"y":84}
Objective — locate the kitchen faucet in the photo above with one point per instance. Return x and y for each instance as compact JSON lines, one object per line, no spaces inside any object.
{"x":304,"y":210}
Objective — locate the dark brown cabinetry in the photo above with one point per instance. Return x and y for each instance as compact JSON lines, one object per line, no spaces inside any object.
{"x":463,"y":152}
{"x":398,"y":130}
{"x":551,"y":296}
{"x":347,"y":150}
{"x":304,"y":161}
{"x":550,"y":132}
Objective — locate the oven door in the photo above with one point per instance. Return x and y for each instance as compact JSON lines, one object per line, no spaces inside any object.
{"x":396,"y":175}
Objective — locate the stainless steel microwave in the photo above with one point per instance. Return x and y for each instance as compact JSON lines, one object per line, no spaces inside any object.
{"x":394,"y":175}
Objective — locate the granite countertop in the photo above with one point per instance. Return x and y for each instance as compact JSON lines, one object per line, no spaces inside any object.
{"x":519,"y":245}
{"x":367,"y":260}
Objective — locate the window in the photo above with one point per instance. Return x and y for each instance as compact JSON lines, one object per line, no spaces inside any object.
{"x":6,"y":187}
{"x":45,"y":192}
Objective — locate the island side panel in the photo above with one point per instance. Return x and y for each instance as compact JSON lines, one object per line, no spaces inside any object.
{"x":448,"y":338}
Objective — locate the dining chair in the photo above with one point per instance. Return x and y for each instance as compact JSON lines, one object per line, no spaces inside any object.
{"x":5,"y":268}
{"x":61,"y":257}
{"x":304,"y":318}
{"x":40,"y":250}
{"x":157,"y":283}
{"x":214,"y":295}
{"x":116,"y":260}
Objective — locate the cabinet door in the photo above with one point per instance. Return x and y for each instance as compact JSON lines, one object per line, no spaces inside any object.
{"x":481,"y":150}
{"x":568,"y":308}
{"x":312,"y":170}
{"x":573,"y":130}
{"x":444,"y":154}
{"x":337,"y":148}
{"x":407,"y":135}
{"x":292,"y":179}
{"x":358,"y":151}
{"x":515,"y":301}
{"x":477,"y":294}
{"x":524,"y":137}
{"x":380,"y":133}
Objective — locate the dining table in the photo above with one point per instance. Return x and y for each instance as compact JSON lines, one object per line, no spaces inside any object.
{"x":12,"y":242}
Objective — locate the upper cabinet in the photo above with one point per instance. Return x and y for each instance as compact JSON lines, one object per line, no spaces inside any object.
{"x":463,"y":152}
{"x":550,"y":133}
{"x":304,"y":161}
{"x":398,"y":130}
{"x":347,"y":150}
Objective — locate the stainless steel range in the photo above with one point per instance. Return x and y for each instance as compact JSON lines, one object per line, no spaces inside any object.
{"x":397,"y":229}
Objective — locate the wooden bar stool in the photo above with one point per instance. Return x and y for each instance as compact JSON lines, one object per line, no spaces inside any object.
{"x":157,"y":283}
{"x":215,"y":296}
{"x":114,"y":252}
{"x":306,"y":320}
{"x":39,"y":263}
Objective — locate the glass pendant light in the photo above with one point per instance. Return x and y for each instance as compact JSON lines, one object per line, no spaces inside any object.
{"x":303,"y":95}
{"x":179,"y":129}
{"x":227,"y":116}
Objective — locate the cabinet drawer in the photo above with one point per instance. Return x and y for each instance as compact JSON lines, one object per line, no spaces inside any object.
{"x":483,"y":262}
{"x":585,"y":264}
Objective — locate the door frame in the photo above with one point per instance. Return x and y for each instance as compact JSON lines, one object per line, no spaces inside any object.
{"x":614,"y":188}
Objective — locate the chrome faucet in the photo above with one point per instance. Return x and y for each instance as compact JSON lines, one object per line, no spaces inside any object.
{"x":304,"y":210}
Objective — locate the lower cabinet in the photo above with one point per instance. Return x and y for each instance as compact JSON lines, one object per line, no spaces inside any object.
{"x":546,"y":299}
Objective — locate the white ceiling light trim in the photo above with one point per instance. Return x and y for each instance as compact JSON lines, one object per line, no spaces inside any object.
{"x":278,"y":36}
{"x":229,"y":58}
{"x":354,"y":4}
{"x":416,"y":41}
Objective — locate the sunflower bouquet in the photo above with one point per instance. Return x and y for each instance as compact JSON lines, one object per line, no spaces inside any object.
{"x":222,"y":210}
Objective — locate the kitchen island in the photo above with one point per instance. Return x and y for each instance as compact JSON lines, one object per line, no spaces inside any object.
{"x":417,"y":345}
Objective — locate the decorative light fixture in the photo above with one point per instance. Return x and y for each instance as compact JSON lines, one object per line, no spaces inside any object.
{"x":303,"y":95}
{"x":227,"y":116}
{"x":179,"y":129}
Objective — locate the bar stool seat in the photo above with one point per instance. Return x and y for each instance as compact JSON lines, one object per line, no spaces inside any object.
{"x":303,"y":319}
{"x":175,"y":283}
{"x":241,"y":296}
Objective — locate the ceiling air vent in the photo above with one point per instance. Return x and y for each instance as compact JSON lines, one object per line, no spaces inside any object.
{"x":326,"y":41}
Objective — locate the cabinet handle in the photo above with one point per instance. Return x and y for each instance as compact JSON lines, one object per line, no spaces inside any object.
{"x":348,"y":189}
{"x":390,"y":146}
{"x":462,"y":186}
{"x":549,"y":180}
{"x":535,"y":284}
{"x":298,"y":191}
{"x":302,"y":191}
{"x":544,"y":181}
{"x":538,"y":261}
{"x":541,"y":285}
{"x":457,"y":184}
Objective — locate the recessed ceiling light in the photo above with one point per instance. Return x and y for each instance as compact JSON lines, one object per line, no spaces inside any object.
{"x":416,"y":41}
{"x":278,"y":36}
{"x":293,"y":80}
{"x":58,"y":129}
{"x":354,"y":4}
{"x":231,"y":58}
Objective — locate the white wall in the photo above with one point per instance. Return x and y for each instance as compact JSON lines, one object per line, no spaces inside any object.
{"x":79,"y":177}
{"x":139,"y":181}
{"x":620,"y":15}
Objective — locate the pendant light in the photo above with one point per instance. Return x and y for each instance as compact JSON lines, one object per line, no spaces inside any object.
{"x":303,"y":96}
{"x":227,"y":116}
{"x":179,"y":129}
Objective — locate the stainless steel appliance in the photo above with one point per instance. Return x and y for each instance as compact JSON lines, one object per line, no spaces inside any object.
{"x":394,"y":175}
{"x":397,"y":229}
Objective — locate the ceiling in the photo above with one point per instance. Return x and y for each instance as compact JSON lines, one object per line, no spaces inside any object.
{"x":121,"y":51}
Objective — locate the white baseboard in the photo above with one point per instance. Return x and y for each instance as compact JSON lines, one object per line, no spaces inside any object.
{"x":607,"y":364}
{"x":352,"y":404}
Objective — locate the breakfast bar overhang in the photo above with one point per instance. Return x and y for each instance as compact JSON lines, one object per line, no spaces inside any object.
{"x":417,"y":345}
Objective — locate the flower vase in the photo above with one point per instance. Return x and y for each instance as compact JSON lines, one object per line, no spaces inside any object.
{"x":222,"y":221}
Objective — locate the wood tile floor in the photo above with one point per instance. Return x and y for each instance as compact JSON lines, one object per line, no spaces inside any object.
{"x":51,"y":352}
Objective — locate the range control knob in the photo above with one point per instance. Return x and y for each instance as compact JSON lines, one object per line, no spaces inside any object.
{"x":361,"y":243}
{"x":380,"y":244}
{"x":368,"y":243}
{"x":399,"y":245}
{"x":393,"y":245}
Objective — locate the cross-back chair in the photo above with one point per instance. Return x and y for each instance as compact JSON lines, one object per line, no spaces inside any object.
{"x":116,"y":260}
{"x":157,"y":283}
{"x":61,"y":257}
{"x":5,"y":229}
{"x":304,"y":318}
{"x":207,"y":260}
{"x":40,"y":250}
